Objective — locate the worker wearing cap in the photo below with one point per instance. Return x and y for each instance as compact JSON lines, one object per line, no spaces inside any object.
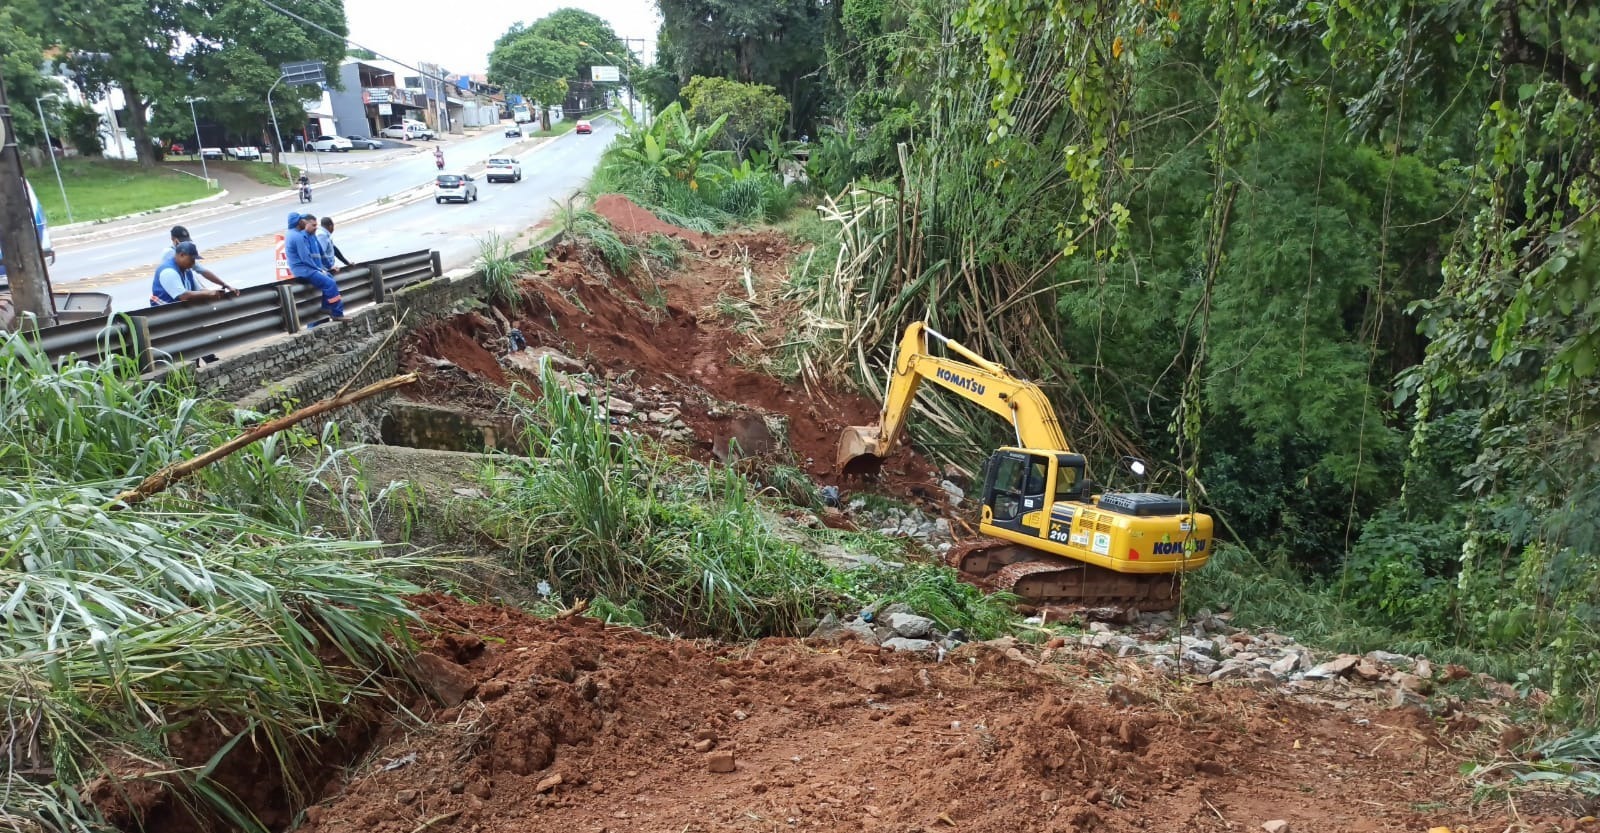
{"x":304,"y":253}
{"x":175,"y":280}
{"x":181,"y":235}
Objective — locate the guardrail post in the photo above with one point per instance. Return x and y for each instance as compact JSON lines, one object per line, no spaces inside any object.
{"x":139,"y":335}
{"x":438,"y":265}
{"x":287,"y":310}
{"x":375,"y":271}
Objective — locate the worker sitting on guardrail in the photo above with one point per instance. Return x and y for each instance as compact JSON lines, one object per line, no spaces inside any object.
{"x":329,"y":250}
{"x":180,"y":235}
{"x":175,"y":280}
{"x":304,"y":254}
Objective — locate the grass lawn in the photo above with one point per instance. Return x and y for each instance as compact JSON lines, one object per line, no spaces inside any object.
{"x":101,"y":188}
{"x":556,"y":129}
{"x":263,"y":172}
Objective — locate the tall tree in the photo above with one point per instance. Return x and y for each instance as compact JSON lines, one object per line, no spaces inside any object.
{"x":575,"y":27}
{"x":21,"y":54}
{"x":536,"y":67}
{"x":136,"y":40}
{"x":779,"y":43}
{"x":751,"y":111}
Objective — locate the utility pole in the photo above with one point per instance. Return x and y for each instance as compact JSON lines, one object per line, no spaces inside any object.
{"x":19,"y":238}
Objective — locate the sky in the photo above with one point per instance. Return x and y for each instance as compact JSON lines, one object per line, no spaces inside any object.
{"x":458,"y":35}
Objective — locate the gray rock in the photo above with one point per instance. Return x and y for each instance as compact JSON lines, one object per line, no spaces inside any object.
{"x":1336,"y":667}
{"x":829,"y":628}
{"x":857,"y":504}
{"x":953,"y":492}
{"x":1231,"y":670}
{"x":914,"y":646}
{"x":1288,"y":663}
{"x":1197,"y":644}
{"x":941,"y":527}
{"x":862,"y":630}
{"x":1396,"y":660}
{"x":911,"y":626}
{"x":619,"y":406}
{"x":1202,"y":664}
{"x":882,"y":631}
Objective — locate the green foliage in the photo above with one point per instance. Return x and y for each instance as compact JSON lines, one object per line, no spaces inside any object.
{"x":221,"y":596}
{"x":746,"y":112}
{"x":501,"y":272}
{"x":21,"y":60}
{"x":534,"y":66}
{"x":777,"y":44}
{"x":592,"y":37}
{"x":584,"y":224}
{"x":81,"y":126}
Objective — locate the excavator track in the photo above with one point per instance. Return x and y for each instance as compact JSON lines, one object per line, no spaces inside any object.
{"x":1039,"y":578}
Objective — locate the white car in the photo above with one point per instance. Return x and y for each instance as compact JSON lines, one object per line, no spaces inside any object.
{"x":503,"y":169}
{"x":245,"y":152}
{"x":454,"y":187}
{"x":212,"y":154}
{"x":401,"y":131}
{"x":325,"y":144}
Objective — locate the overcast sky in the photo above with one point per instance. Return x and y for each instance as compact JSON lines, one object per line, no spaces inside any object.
{"x":458,"y":34}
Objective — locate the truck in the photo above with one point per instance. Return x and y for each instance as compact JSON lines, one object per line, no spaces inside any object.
{"x":521,"y":114}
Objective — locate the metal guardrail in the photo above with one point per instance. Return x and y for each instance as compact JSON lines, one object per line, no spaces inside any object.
{"x":174,"y":332}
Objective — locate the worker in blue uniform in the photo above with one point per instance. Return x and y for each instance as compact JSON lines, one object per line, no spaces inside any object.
{"x":175,"y":279}
{"x":305,"y":257}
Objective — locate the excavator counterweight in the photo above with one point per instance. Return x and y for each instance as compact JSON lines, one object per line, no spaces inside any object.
{"x":1049,"y":536}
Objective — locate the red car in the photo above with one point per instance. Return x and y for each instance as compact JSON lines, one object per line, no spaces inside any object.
{"x":583,"y":126}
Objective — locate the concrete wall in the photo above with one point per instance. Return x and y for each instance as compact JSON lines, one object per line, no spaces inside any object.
{"x":348,"y":109}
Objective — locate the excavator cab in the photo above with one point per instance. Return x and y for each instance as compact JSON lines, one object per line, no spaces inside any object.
{"x":1022,"y":487}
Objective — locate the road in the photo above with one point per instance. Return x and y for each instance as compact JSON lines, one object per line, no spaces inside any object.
{"x":237,"y":246}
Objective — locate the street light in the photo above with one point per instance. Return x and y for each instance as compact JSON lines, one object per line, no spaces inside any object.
{"x":52,"y":151}
{"x":199,"y":145}
{"x":626,"y":78}
{"x":275,"y":132}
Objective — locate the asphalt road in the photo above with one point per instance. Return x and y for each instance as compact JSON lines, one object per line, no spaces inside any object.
{"x":232,"y":243}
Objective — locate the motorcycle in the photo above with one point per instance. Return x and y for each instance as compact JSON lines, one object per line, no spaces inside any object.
{"x":438,"y":160}
{"x":305,"y":190}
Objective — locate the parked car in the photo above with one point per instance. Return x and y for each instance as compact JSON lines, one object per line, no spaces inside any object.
{"x":245,"y":152}
{"x":514,"y":130}
{"x":583,"y":126}
{"x":454,"y":187}
{"x":365,"y":142}
{"x":325,"y":144}
{"x":416,"y":130}
{"x":503,"y":169}
{"x":211,"y":153}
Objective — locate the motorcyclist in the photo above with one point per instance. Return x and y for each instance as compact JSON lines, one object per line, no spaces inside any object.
{"x":438,"y":158}
{"x":305,"y":188}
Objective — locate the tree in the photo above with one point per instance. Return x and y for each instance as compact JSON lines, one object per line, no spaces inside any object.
{"x":752,"y":111}
{"x":133,"y":42}
{"x":575,"y":27}
{"x":534,"y":66}
{"x":779,"y":43}
{"x":240,"y":46}
{"x":21,"y":56}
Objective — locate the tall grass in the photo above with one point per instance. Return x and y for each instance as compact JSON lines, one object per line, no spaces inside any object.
{"x":500,"y":268}
{"x":123,"y":626}
{"x":602,"y":514}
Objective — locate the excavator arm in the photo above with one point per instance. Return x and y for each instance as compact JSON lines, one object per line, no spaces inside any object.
{"x":972,"y":377}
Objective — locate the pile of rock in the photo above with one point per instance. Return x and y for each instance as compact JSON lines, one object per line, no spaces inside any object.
{"x":894,"y":628}
{"x":930,"y":530}
{"x":1214,"y":648}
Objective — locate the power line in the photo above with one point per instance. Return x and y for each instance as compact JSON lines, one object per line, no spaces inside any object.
{"x":346,"y":38}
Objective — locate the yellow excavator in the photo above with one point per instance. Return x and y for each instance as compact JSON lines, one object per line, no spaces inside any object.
{"x":1051,"y":539}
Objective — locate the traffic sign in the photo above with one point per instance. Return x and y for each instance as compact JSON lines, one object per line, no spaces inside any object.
{"x":303,"y":72}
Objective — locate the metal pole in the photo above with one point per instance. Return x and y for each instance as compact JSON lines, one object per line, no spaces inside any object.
{"x":198,"y":143}
{"x":52,"y":151}
{"x":276,"y":132}
{"x":116,"y":130}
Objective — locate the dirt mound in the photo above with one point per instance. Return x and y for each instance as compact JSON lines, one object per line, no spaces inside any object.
{"x":664,"y":343}
{"x":628,"y":218}
{"x":576,"y":726}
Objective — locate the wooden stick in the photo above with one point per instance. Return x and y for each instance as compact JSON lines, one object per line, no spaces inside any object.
{"x":158,"y":482}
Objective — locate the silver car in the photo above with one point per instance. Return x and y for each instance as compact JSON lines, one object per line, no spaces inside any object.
{"x":454,"y":187}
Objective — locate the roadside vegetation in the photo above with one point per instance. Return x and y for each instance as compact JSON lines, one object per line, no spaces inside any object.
{"x":244,"y":606}
{"x":103,"y":188}
{"x":653,"y":540}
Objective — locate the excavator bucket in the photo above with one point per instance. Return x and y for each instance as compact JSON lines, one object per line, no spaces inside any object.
{"x":858,"y":450}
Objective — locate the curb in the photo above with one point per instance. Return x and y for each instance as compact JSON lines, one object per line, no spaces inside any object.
{"x":143,"y":228}
{"x":64,"y":232}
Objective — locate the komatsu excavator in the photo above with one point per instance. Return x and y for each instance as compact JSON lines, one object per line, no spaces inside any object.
{"x":1051,"y":538}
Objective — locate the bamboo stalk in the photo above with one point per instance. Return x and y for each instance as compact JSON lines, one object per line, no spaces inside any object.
{"x":158,"y":482}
